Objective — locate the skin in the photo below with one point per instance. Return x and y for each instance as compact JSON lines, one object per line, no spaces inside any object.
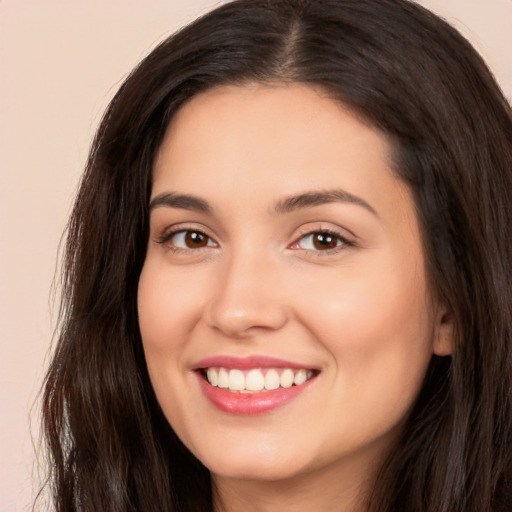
{"x":359,"y":312}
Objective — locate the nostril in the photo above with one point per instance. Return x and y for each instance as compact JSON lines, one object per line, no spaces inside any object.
{"x":245,"y":301}
{"x":241,"y":321}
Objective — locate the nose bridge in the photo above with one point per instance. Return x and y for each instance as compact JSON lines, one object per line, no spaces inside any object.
{"x":248,"y":294}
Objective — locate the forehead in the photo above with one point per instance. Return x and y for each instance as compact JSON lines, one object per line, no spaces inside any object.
{"x":237,"y":141}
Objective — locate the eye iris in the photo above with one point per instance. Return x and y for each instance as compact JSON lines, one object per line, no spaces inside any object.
{"x":323,"y":241}
{"x":194,"y":239}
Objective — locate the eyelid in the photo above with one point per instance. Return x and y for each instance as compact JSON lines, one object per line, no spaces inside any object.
{"x":169,"y":232}
{"x":346,"y":241}
{"x":305,"y":232}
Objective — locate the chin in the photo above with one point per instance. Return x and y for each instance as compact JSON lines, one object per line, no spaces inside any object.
{"x":259,"y":464}
{"x":254,"y":472}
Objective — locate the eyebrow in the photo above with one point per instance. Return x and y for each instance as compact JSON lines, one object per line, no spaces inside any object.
{"x":182,"y":201}
{"x":317,"y":198}
{"x":308,"y":199}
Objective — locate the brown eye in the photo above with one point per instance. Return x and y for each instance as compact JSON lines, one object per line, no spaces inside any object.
{"x":321,"y":241}
{"x":189,"y":239}
{"x":194,"y":239}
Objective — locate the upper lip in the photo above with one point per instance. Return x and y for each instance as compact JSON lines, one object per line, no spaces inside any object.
{"x":245,"y":363}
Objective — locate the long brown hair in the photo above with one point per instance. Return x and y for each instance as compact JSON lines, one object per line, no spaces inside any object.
{"x":401,"y":69}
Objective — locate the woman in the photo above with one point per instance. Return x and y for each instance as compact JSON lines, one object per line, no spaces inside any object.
{"x":287,"y":277}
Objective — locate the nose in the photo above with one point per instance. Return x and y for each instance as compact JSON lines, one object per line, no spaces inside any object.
{"x":248,"y":299}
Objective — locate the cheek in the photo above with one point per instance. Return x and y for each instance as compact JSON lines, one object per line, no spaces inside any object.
{"x":162,"y":300}
{"x":166,"y":319}
{"x":169,"y":309}
{"x":378,"y":327}
{"x":370,"y":302}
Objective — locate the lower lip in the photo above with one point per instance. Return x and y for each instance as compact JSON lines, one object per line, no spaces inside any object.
{"x":250,"y":404}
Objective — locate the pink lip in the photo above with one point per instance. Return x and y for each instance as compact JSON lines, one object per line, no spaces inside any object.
{"x":245,"y":363}
{"x":248,"y":404}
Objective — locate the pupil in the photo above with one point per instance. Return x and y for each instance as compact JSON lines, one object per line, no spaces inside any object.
{"x":194,"y":239}
{"x":324,"y":241}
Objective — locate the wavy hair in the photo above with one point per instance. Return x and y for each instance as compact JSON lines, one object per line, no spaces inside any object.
{"x":404,"y":71}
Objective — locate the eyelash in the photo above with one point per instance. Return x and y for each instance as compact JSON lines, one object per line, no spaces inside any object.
{"x":167,"y":237}
{"x":343,"y":242}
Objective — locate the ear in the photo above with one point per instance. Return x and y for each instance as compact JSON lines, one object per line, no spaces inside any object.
{"x":444,"y":340}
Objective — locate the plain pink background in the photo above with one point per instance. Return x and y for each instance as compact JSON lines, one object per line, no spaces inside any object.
{"x":60,"y":63}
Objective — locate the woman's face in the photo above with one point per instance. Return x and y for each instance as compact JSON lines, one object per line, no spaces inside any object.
{"x":283,"y":304}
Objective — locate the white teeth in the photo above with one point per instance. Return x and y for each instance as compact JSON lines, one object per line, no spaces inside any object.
{"x":223,"y":379}
{"x":300,"y":377}
{"x":272,"y":380}
{"x":256,"y":379}
{"x":213,"y":376}
{"x":236,"y":380}
{"x":286,"y":379}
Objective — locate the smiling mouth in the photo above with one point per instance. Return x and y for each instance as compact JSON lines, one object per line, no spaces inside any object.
{"x":256,"y":380}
